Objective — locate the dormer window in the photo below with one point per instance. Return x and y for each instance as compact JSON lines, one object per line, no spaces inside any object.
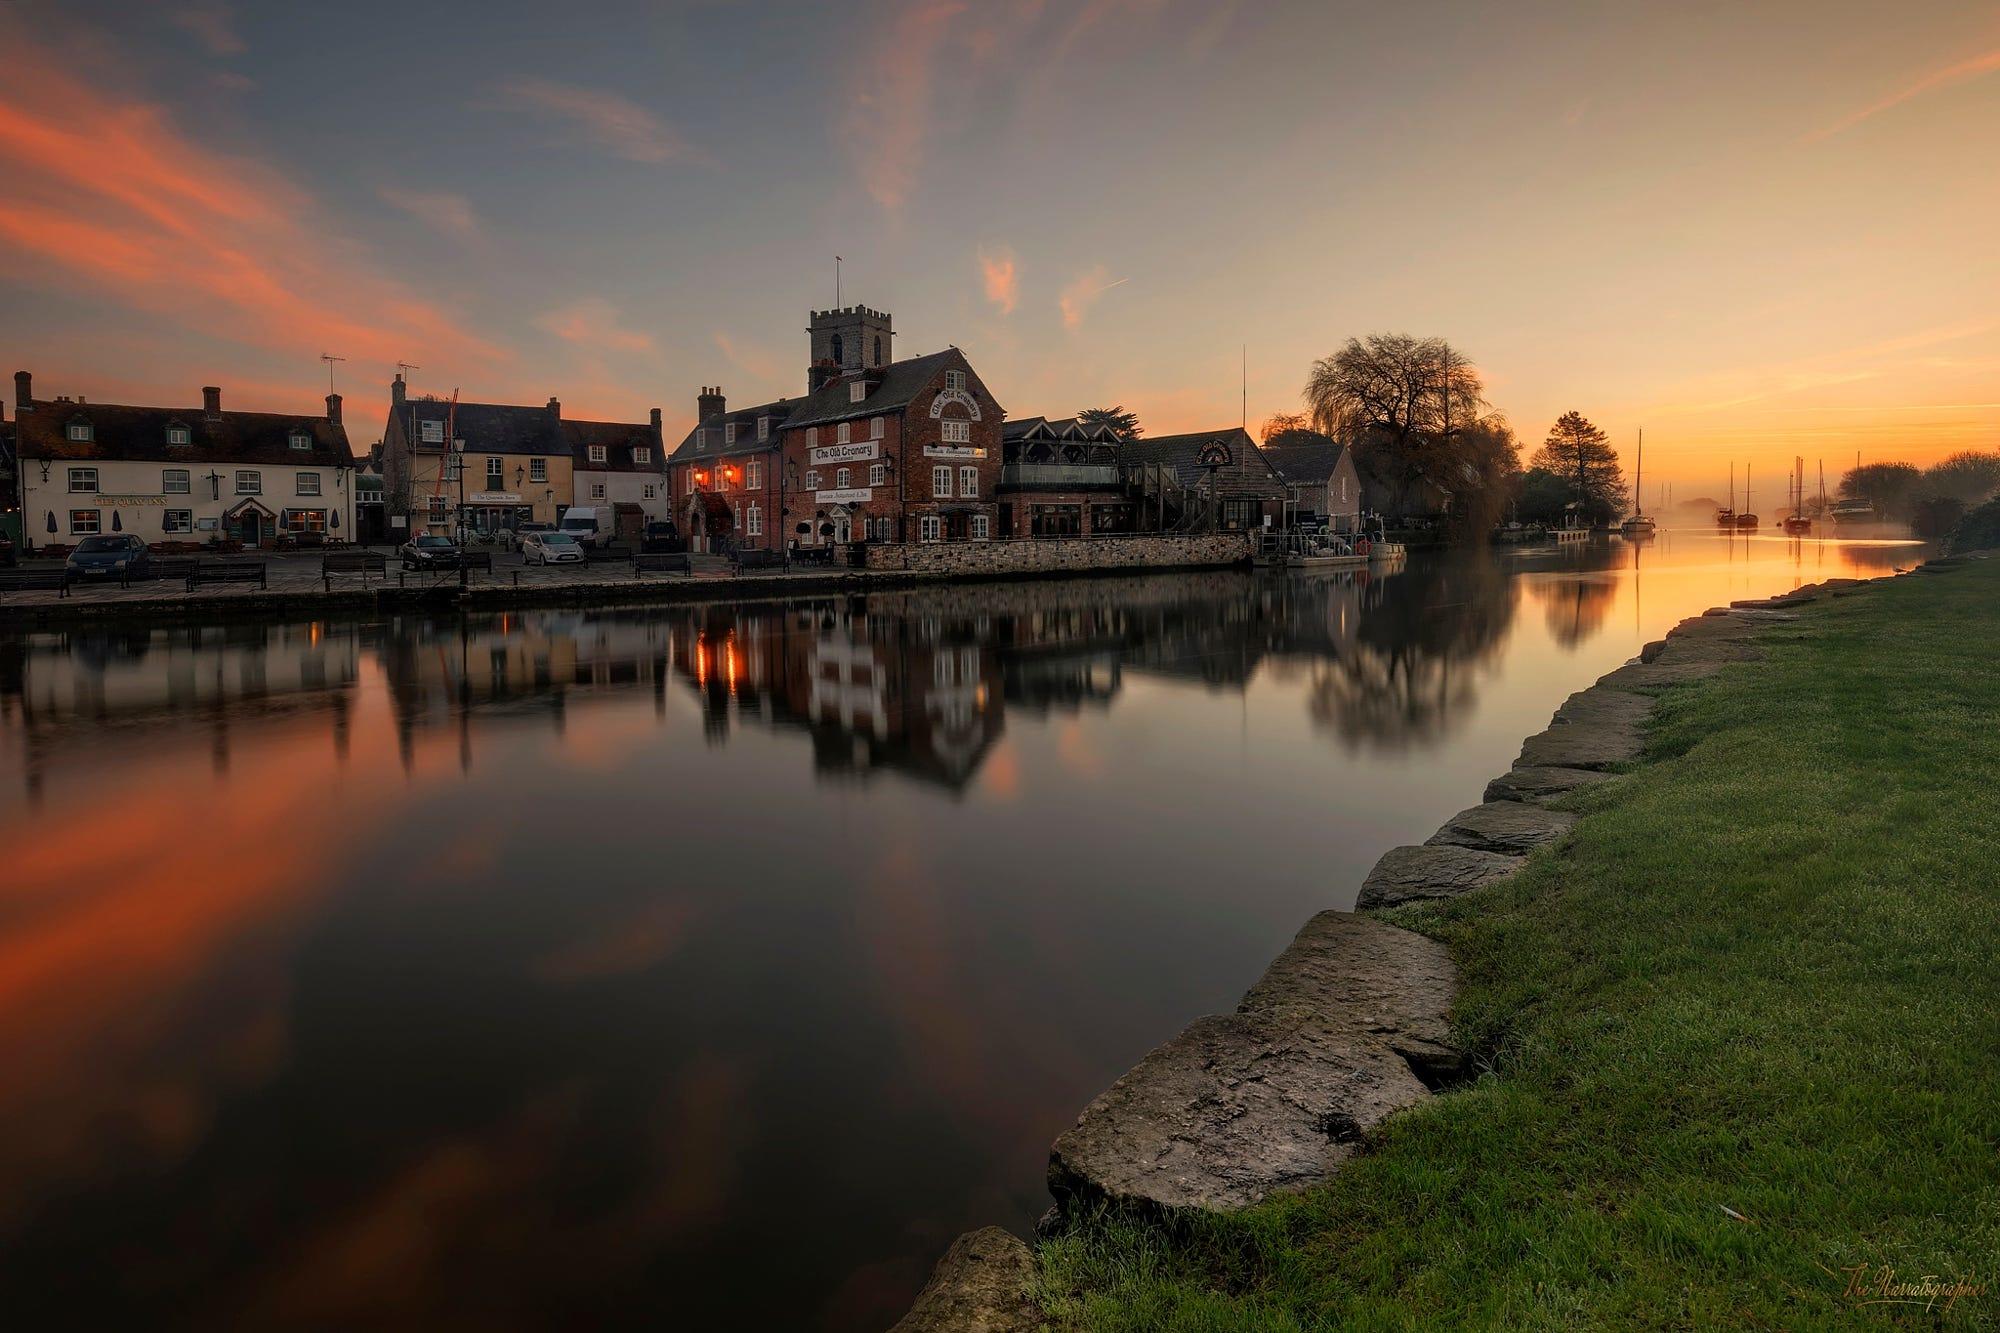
{"x":301,"y":440}
{"x":597,"y":453}
{"x":432,"y":432}
{"x":79,"y":432}
{"x":179,"y":435}
{"x":763,"y":428}
{"x":857,"y":390}
{"x":642,"y":454}
{"x":700,"y":438}
{"x":729,"y":432}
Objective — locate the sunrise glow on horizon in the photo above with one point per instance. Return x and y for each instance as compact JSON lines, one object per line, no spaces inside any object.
{"x":1756,"y":233}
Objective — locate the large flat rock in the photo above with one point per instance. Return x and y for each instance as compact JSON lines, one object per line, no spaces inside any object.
{"x":1236,"y":1108}
{"x":1406,"y":874}
{"x":1657,"y":674}
{"x":980,"y":1286}
{"x":1542,"y":783}
{"x":1602,"y":705}
{"x":1345,"y":1027}
{"x":1362,"y":976}
{"x":1512,"y":828}
{"x":1597,"y":744}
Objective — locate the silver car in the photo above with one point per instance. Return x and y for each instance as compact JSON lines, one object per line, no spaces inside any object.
{"x":551,"y":548}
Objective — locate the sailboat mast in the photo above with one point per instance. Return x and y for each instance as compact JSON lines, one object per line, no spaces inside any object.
{"x":1639,"y":476}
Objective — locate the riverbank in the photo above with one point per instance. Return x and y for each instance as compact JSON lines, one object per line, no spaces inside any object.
{"x":1735,"y":1037}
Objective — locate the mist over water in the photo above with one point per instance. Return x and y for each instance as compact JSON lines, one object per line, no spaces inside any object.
{"x":708,"y":965}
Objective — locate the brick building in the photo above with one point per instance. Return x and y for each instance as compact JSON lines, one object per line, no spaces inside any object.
{"x":725,"y":476}
{"x":1223,"y":473}
{"x":1320,"y":474}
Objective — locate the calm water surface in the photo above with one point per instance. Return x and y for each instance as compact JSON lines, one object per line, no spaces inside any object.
{"x":696,"y":967}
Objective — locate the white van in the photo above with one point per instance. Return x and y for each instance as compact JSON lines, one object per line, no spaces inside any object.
{"x":591,"y":525}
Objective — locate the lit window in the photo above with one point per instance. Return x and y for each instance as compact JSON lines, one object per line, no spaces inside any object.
{"x":941,"y":481}
{"x":496,"y":473}
{"x":305,"y":520}
{"x":957,"y":432}
{"x":840,"y":435}
{"x":812,"y":481}
{"x":597,"y":454}
{"x":842,"y":479}
{"x":930,"y":528}
{"x":178,"y":435}
{"x":877,"y":474}
{"x":175,"y":521}
{"x":729,"y":432}
{"x":857,"y":390}
{"x":83,"y":522}
{"x":642,"y":455}
{"x":968,"y":481}
{"x":249,"y":483}
{"x":763,"y":428}
{"x":979,"y":527}
{"x":432,"y":432}
{"x":308,"y":483}
{"x":176,"y":481}
{"x":83,"y":480}
{"x":301,"y":440}
{"x":753,"y":522}
{"x":875,"y":428}
{"x":80,"y":432}
{"x":538,"y":469}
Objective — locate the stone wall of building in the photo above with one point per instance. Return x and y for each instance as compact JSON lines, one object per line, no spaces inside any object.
{"x":1063,"y":555}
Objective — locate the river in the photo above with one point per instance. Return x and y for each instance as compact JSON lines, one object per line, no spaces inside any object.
{"x":698,"y":966}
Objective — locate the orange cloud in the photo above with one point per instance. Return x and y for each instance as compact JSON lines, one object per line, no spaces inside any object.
{"x":593,"y":322}
{"x":890,"y":100}
{"x":111,"y":192}
{"x":1083,"y":292}
{"x":1002,"y":277}
{"x":1961,"y":72}
{"x":617,"y":125}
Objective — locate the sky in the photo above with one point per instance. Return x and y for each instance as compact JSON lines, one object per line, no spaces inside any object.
{"x":1756,"y":231}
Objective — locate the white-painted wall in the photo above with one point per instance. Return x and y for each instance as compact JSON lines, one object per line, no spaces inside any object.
{"x":138,"y":493}
{"x":625,"y":488}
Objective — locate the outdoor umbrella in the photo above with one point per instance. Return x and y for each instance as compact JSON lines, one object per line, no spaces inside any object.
{"x":335,"y":523}
{"x":117,"y":523}
{"x":52,"y":522}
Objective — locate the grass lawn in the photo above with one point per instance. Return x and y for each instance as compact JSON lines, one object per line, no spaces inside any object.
{"x":1740,"y":1034}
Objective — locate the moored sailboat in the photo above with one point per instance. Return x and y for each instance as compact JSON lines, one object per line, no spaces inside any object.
{"x":1638,"y":527}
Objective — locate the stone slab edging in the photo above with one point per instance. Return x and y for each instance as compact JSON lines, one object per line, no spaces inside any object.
{"x":1351,"y":1023}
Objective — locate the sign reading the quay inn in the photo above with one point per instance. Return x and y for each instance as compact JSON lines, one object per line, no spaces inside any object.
{"x":954,"y":451}
{"x":135,"y":499}
{"x":864,"y":452}
{"x":493,"y":498}
{"x":853,"y":496}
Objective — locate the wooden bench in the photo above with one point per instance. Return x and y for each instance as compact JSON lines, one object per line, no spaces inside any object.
{"x":594,"y":554}
{"x":226,"y":571}
{"x":755,"y":558}
{"x":812,"y":555}
{"x":662,"y":562}
{"x":164,"y":569}
{"x":480,"y":560}
{"x":363,"y":563}
{"x":28,"y":580}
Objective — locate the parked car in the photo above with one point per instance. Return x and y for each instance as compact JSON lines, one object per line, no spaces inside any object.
{"x":111,"y":555}
{"x":7,"y":556}
{"x":660,"y":536}
{"x":430,"y":551}
{"x":551,"y":548}
{"x":518,"y":538}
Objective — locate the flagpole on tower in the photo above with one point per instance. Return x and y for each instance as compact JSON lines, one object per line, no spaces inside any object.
{"x":836,"y":282}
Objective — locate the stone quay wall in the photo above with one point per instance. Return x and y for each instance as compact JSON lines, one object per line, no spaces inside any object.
{"x":1062,"y":555}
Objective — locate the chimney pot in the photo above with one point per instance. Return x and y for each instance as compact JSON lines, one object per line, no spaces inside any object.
{"x":656,"y":418}
{"x":555,"y":407}
{"x":711,"y":403}
{"x":24,"y":392}
{"x":398,"y":390}
{"x":211,"y":399}
{"x":333,"y":408}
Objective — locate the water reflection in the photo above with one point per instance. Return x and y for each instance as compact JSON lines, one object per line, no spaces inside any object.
{"x":576,"y":968}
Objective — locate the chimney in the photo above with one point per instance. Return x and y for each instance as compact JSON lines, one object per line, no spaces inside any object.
{"x":656,"y":423}
{"x":555,"y":409}
{"x":24,"y":392}
{"x":398,"y":391}
{"x":333,"y":408}
{"x":711,"y":403}
{"x":211,"y":400}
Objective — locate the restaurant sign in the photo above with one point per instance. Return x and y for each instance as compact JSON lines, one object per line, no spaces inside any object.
{"x":852,"y":496}
{"x":863,"y":452}
{"x":954,"y":451}
{"x":493,"y":498}
{"x":140,"y":499}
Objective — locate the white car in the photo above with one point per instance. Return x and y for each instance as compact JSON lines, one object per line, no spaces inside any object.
{"x":551,"y":548}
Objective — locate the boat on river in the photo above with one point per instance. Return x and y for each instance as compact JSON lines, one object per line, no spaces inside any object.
{"x":1846,"y":513}
{"x":1638,"y":527}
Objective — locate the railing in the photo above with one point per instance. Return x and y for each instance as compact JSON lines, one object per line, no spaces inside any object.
{"x":1059,"y":474}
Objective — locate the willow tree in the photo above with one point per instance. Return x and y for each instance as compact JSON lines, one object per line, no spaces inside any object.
{"x":1581,"y":455}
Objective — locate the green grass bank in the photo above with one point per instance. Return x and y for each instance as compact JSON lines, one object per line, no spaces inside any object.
{"x":1739,"y":1036}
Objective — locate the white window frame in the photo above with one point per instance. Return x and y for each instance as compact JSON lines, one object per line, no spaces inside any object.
{"x":954,"y":381}
{"x":729,"y":432}
{"x":306,"y":483}
{"x":597,"y":453}
{"x":642,"y":454}
{"x":301,"y":440}
{"x":955,"y":432}
{"x":438,"y":510}
{"x":857,"y":390}
{"x":753,"y":521}
{"x":980,"y":528}
{"x":305,"y":520}
{"x":92,"y":526}
{"x":249,"y":482}
{"x":840,"y":433}
{"x":874,"y":428}
{"x":843,"y":478}
{"x":812,"y":479}
{"x":763,"y":428}
{"x":941,"y":481}
{"x":878,"y":474}
{"x":652,"y":492}
{"x":430,"y":431}
{"x":597,"y":490}
{"x":812,"y":436}
{"x":179,"y":435}
{"x":170,"y":476}
{"x":176,"y":522}
{"x":79,"y":432}
{"x":753,"y":475}
{"x":83,"y":481}
{"x":496,"y":473}
{"x":538,"y":469}
{"x":968,"y":482}
{"x":930,"y":528}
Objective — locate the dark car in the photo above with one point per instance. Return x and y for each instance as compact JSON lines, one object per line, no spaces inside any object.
{"x":661,"y":537}
{"x":7,"y":556}
{"x":110,"y":556}
{"x":430,"y":552}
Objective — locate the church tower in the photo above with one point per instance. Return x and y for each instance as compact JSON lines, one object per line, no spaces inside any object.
{"x":847,"y":342}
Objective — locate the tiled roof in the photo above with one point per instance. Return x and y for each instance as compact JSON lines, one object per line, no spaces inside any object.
{"x":488,"y":428}
{"x":1251,"y":472}
{"x":619,"y":439}
{"x":1304,"y":460}
{"x":120,"y":433}
{"x":745,"y":421}
{"x":895,"y":385}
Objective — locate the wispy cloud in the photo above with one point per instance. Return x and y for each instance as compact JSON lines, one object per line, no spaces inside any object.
{"x":109,"y":193}
{"x":889,"y":103}
{"x":444,"y":212}
{"x":1083,"y":292}
{"x":753,"y":359}
{"x":615,"y":124}
{"x":211,"y":23}
{"x":1002,"y":276}
{"x":593,"y":323}
{"x":1961,"y":71}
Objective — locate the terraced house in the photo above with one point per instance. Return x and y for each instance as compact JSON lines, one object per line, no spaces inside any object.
{"x":620,"y":464}
{"x":179,"y":474}
{"x":510,"y":464}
